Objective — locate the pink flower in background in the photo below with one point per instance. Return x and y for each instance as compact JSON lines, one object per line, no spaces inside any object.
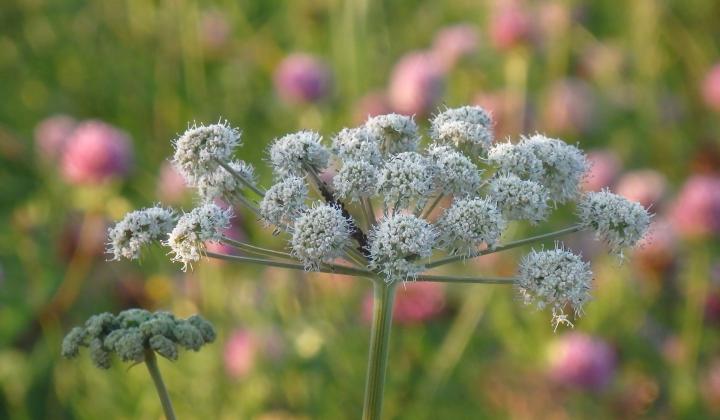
{"x":569,"y":107}
{"x":696,"y":210}
{"x":96,"y":152}
{"x":711,"y":88}
{"x":51,"y":134}
{"x":710,"y":385}
{"x":415,"y":303}
{"x":302,"y":78}
{"x":647,"y":187}
{"x":240,"y":353}
{"x":507,"y":111}
{"x":214,"y":29}
{"x":370,"y":105}
{"x":452,"y":43}
{"x":416,"y":84}
{"x":579,"y":360}
{"x":171,"y":187}
{"x":602,"y":62}
{"x":233,"y":232}
{"x":604,"y":168}
{"x":509,"y":25}
{"x":657,"y":250}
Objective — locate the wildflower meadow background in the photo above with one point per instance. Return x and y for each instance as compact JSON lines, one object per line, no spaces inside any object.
{"x":93,"y":92}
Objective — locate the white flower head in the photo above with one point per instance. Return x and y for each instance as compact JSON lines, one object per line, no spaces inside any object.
{"x":222,"y":184}
{"x":517,"y":159}
{"x":137,"y":229}
{"x":469,"y":223}
{"x":203,"y":224}
{"x":616,"y":220}
{"x":467,"y":127}
{"x":519,"y":199}
{"x":456,"y":174}
{"x":356,"y":144}
{"x":555,"y":278}
{"x":564,"y":166}
{"x":355,"y":180}
{"x":284,"y":201}
{"x":320,"y":235}
{"x":398,"y":244}
{"x":199,"y":148}
{"x":406,"y":176}
{"x":394,"y":132}
{"x":289,"y":154}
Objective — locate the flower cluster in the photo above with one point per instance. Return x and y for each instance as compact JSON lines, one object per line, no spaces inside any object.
{"x":320,"y":234}
{"x":398,"y":244}
{"x":133,"y":332}
{"x":203,"y":224}
{"x":137,"y":229}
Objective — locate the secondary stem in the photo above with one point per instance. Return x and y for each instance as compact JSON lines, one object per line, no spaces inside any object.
{"x":327,"y":268}
{"x":383,"y":302}
{"x":151,"y":363}
{"x":461,"y":279}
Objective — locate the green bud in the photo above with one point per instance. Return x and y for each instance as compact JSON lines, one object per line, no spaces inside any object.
{"x":188,"y":336}
{"x":156,"y":326}
{"x":164,"y":347}
{"x":112,"y":338}
{"x":99,"y":356}
{"x":206,"y":329}
{"x":133,"y":317}
{"x":98,"y":324}
{"x":72,"y":342}
{"x":130,"y":347}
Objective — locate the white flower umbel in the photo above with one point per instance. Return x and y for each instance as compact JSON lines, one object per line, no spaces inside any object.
{"x":468,"y":224}
{"x":555,"y":278}
{"x":223,"y":184}
{"x":290,"y":154}
{"x":356,"y":144}
{"x":519,"y":199}
{"x":320,"y":235}
{"x":200,"y":147}
{"x":456,"y":174}
{"x":356,"y":180}
{"x":564,"y":166}
{"x":394,"y":133}
{"x":619,"y":222}
{"x":517,"y":159}
{"x":284,"y":201}
{"x":398,"y":244}
{"x":203,"y":224}
{"x":137,"y":229}
{"x":467,"y":127}
{"x":406,"y":176}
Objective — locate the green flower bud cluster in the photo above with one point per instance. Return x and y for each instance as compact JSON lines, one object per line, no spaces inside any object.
{"x":131,"y":332}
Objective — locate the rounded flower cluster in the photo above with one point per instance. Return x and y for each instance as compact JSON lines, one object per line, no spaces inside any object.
{"x":469,"y":223}
{"x":398,"y":244}
{"x":284,"y":201}
{"x":356,"y":144}
{"x":133,"y":332}
{"x":555,"y":278}
{"x":394,"y":132}
{"x":356,"y":179}
{"x":289,"y":155}
{"x":203,"y":224}
{"x":137,"y":229}
{"x":198,"y":150}
{"x":456,"y":174}
{"x":406,"y":176}
{"x":516,"y":159}
{"x":467,"y":127}
{"x":519,"y":199}
{"x":617,"y":221}
{"x":223,"y":184}
{"x":320,"y":235}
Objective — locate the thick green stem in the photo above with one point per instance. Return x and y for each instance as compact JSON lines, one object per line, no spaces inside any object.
{"x":383,"y":302}
{"x":151,"y":363}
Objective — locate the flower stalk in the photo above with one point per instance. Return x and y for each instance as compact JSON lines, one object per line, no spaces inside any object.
{"x":151,"y":363}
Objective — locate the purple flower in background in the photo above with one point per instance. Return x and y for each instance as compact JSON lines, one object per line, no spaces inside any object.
{"x":711,"y":88}
{"x":454,"y":42}
{"x":416,"y":84}
{"x":96,"y":152}
{"x":696,"y":210}
{"x":240,"y":353}
{"x":604,"y":168}
{"x":171,"y":187}
{"x":415,"y":303}
{"x":580,"y":360}
{"x":569,"y":107}
{"x":302,"y":78}
{"x":647,"y":187}
{"x":51,"y":134}
{"x":509,"y":25}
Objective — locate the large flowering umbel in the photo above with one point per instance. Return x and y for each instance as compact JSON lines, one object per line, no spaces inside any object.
{"x":456,"y":174}
{"x":398,"y":245}
{"x":320,"y":235}
{"x":132,"y":332}
{"x":395,"y":133}
{"x":468,"y":127}
{"x":356,"y":180}
{"x":520,"y":199}
{"x":292,"y":154}
{"x":284,"y":201}
{"x":137,"y":229}
{"x":470,"y":223}
{"x":357,"y":144}
{"x":406,"y":176}
{"x":203,"y":224}
{"x":617,"y":221}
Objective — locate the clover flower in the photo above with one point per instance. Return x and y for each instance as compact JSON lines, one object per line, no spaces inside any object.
{"x":519,"y":199}
{"x":204,"y":223}
{"x":467,"y":127}
{"x":223,"y":184}
{"x":356,"y":144}
{"x":564,"y":166}
{"x":320,"y":235}
{"x":137,"y":229}
{"x":200,"y":147}
{"x":617,"y":221}
{"x":355,"y":180}
{"x":555,"y":278}
{"x":290,"y":154}
{"x":398,"y":244}
{"x":456,"y":174}
{"x":394,"y":132}
{"x":469,"y":223}
{"x":284,"y":201}
{"x":131,"y":333}
{"x":406,"y":176}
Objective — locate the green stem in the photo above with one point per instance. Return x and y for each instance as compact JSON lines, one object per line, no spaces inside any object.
{"x":434,"y":204}
{"x":256,"y":249}
{"x":509,"y":245}
{"x":240,"y":178}
{"x":383,"y":302}
{"x":327,"y":268}
{"x":151,"y":363}
{"x":460,"y":279}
